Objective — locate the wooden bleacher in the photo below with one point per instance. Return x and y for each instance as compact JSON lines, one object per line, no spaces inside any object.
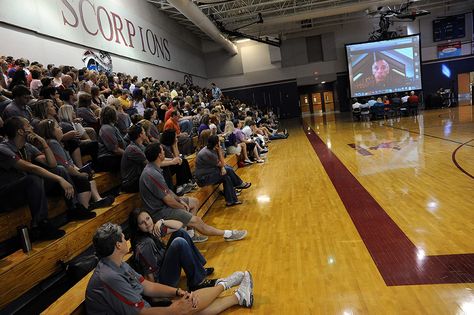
{"x":72,"y":302}
{"x":10,"y":220}
{"x":43,"y":260}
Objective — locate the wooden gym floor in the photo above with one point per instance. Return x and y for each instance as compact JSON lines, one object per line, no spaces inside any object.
{"x":358,"y":218}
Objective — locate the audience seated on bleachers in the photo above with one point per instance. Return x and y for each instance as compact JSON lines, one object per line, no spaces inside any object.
{"x":184,"y":177}
{"x":24,"y":180}
{"x":211,"y":169}
{"x":162,"y":203}
{"x":86,"y":188}
{"x":111,"y":142}
{"x":133,"y":159}
{"x":86,"y":116}
{"x":115,"y":287}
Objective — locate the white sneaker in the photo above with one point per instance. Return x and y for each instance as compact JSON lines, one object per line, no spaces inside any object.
{"x":260,"y":161}
{"x":248,"y":162}
{"x":232,"y":280}
{"x":245,"y":291}
{"x":236,"y":235}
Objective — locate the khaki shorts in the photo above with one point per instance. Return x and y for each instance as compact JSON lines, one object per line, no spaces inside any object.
{"x":168,"y":213}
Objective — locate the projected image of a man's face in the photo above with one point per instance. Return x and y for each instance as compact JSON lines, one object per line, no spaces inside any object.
{"x":380,"y":70}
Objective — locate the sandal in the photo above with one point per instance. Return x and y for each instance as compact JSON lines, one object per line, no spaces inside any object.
{"x":244,"y":186}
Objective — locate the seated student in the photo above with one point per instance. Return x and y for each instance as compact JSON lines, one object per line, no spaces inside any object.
{"x":18,"y":107}
{"x":184,"y":176}
{"x":356,"y":104}
{"x":85,"y":136}
{"x":151,"y":116}
{"x":163,"y":263}
{"x":164,"y":204}
{"x":86,"y":188}
{"x":133,"y":159}
{"x":123,"y":119}
{"x":24,"y":182}
{"x":117,"y":289}
{"x":232,"y":147}
{"x":111,"y":143}
{"x":85,"y":110}
{"x":240,"y":136}
{"x":185,"y":142}
{"x":211,"y":169}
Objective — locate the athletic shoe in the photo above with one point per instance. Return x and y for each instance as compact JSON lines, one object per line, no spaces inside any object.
{"x":264,"y":151}
{"x":199,"y":238}
{"x":45,"y":231}
{"x":260,"y":161}
{"x":236,"y":235}
{"x":245,"y":291}
{"x":248,"y":162}
{"x":206,"y":283}
{"x":209,"y":271}
{"x":232,"y":280}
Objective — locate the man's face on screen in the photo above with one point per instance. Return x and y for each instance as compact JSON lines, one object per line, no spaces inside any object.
{"x":380,"y":70}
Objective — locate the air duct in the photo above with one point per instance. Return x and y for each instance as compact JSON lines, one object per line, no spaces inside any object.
{"x":195,"y":15}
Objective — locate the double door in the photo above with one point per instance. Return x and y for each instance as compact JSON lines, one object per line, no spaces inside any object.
{"x":317,"y":102}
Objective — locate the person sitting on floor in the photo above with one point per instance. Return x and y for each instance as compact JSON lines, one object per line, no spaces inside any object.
{"x":163,"y":263}
{"x":116,"y":288}
{"x":164,"y":204}
{"x":211,"y":169}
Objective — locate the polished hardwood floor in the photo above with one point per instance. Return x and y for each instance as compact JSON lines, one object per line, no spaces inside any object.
{"x":358,"y":218}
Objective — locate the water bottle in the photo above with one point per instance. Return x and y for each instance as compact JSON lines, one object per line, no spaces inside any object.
{"x":24,"y":238}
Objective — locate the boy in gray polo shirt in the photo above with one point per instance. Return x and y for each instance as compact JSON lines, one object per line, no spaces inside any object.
{"x":115,"y":288}
{"x":164,"y":204}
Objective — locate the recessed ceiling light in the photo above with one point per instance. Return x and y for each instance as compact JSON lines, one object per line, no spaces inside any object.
{"x":322,"y":82}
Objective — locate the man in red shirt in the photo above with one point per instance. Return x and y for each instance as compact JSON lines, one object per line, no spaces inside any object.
{"x":413,"y":99}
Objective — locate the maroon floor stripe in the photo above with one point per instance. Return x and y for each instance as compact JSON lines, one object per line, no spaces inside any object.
{"x":398,"y":260}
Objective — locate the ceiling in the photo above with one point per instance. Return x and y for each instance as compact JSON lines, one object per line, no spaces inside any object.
{"x":283,"y":17}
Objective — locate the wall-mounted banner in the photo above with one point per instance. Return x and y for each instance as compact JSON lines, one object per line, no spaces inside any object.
{"x":134,"y":29}
{"x":98,"y":61}
{"x":449,"y":50}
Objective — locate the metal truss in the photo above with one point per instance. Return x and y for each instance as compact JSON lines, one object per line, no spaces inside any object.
{"x":234,"y":14}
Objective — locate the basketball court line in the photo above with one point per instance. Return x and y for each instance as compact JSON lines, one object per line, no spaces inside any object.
{"x":428,"y":135}
{"x":453,"y":157}
{"x":398,"y":260}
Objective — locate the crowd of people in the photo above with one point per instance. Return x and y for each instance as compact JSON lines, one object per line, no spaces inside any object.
{"x":59,"y":125}
{"x":386,"y":106}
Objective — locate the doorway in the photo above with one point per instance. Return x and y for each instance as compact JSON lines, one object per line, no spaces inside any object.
{"x":304,"y":103}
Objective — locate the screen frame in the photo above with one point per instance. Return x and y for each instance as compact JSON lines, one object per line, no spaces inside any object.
{"x":383,"y":40}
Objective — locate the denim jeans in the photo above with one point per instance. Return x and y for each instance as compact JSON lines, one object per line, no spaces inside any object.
{"x":182,"y":253}
{"x":229,"y":180}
